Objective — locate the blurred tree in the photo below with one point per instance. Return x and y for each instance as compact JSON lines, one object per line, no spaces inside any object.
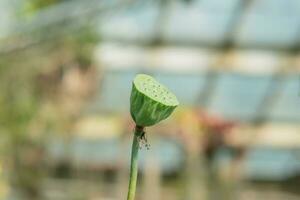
{"x":43,"y":89}
{"x":31,"y":6}
{"x":18,"y":105}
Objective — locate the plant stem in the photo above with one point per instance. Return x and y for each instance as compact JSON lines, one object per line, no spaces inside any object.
{"x":134,"y":163}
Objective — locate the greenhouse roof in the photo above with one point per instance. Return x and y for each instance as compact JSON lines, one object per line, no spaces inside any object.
{"x":247,"y":23}
{"x":253,"y":77}
{"x":242,"y":87}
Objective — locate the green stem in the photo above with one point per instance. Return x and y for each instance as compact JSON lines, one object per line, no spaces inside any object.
{"x":134,"y":163}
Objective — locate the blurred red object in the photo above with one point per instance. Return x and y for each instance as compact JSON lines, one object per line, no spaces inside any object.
{"x":213,"y":123}
{"x":215,"y":130}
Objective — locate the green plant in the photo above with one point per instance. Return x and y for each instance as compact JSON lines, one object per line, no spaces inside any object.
{"x":150,"y":103}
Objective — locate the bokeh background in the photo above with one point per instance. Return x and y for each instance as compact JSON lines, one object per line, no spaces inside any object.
{"x":66,"y":69}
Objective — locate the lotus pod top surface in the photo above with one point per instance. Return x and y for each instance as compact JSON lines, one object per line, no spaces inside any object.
{"x":150,"y":101}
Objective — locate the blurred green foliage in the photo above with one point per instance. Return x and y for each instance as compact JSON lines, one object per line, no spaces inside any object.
{"x":29,"y":79}
{"x":31,"y":6}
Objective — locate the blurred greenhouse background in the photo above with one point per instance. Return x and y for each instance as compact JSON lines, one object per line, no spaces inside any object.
{"x":66,"y":69}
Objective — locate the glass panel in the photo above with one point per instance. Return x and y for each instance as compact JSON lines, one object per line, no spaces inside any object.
{"x":288,"y":104}
{"x":270,"y":23}
{"x":201,"y":21}
{"x":238,"y":96}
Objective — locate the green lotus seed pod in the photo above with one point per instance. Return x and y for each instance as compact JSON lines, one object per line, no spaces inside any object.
{"x":150,"y":101}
